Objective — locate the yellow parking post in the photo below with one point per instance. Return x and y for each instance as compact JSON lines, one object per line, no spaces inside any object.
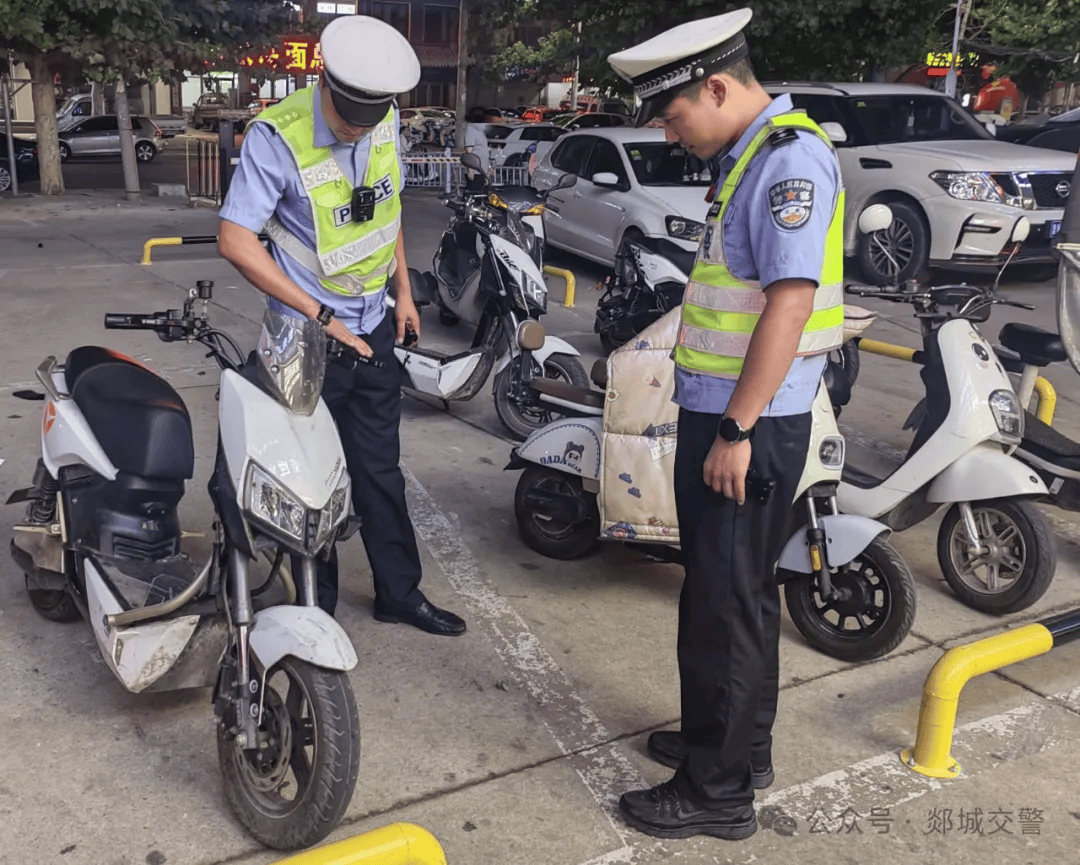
{"x":1044,"y":410}
{"x":396,"y":844}
{"x":568,"y":298}
{"x":158,"y":241}
{"x":886,"y":349}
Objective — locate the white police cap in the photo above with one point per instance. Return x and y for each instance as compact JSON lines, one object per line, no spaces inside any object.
{"x":662,"y":66}
{"x":366,"y":63}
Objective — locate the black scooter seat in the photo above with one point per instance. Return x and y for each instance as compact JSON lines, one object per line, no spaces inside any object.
{"x":1033,"y":344}
{"x":1048,"y":445}
{"x":561,"y":390}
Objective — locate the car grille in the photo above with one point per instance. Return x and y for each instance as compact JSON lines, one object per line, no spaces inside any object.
{"x":1045,"y":186}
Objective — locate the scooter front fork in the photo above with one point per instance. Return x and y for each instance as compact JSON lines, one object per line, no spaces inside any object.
{"x":248,"y":688}
{"x":971,"y":529}
{"x":815,"y":539}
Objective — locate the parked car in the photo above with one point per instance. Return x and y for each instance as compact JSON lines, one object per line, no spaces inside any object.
{"x":258,"y":106}
{"x":100,"y":136}
{"x":513,"y":147}
{"x":26,"y":161}
{"x":76,"y":107}
{"x":539,"y":113}
{"x":211,"y":109}
{"x":1054,"y":132}
{"x":597,"y":120}
{"x":955,"y":190}
{"x":631,"y":182}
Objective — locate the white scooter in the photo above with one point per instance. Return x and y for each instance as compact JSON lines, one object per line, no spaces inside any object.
{"x":102,"y":540}
{"x":995,"y":549}
{"x":608,"y":474}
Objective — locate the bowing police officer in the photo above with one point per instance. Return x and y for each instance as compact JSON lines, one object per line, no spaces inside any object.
{"x":320,"y":173}
{"x":763,"y":306}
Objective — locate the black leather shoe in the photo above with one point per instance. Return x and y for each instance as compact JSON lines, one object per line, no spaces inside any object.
{"x":668,"y":747}
{"x":665,"y":813}
{"x":426,"y":616}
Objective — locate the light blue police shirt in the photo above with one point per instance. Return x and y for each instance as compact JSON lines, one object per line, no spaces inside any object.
{"x":760,"y":247}
{"x":266,"y":183}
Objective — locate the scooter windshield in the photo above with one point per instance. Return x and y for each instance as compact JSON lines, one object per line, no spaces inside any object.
{"x":292,"y":360}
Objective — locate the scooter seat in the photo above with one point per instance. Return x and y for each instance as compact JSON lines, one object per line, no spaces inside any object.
{"x":1048,"y":445}
{"x":139,"y":420}
{"x":561,"y":390}
{"x":1033,"y":344}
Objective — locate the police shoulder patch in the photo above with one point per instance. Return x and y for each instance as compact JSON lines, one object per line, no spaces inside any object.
{"x":791,"y":202}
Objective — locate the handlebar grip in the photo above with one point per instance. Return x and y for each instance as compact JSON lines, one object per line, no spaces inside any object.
{"x":124,"y":321}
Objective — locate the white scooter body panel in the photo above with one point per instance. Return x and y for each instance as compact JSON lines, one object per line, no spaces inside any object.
{"x":66,"y":437}
{"x":307,"y":633}
{"x":846,"y":536}
{"x":985,"y":472}
{"x":139,"y":654}
{"x":434,"y":376}
{"x":822,"y":427}
{"x":656,"y":269}
{"x":520,"y":265}
{"x":302,"y":452}
{"x":570,"y":445}
{"x":969,"y":423}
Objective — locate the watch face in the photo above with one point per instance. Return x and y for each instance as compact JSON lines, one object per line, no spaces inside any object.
{"x":730,"y":429}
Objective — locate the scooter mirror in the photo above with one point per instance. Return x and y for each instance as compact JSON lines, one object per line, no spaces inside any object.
{"x":877,"y":217}
{"x":531,"y":336}
{"x":1021,"y":230}
{"x":566,"y":181}
{"x":471,"y":160}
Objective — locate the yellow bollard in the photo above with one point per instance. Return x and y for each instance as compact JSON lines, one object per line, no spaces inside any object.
{"x":886,"y":349}
{"x":1044,"y":411}
{"x":941,"y":693}
{"x":158,"y":241}
{"x":396,"y":844}
{"x":568,"y":298}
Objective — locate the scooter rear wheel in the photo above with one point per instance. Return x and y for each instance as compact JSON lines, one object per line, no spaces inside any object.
{"x":543,"y":528}
{"x":1019,"y":566}
{"x":56,"y":606}
{"x":869,"y":619}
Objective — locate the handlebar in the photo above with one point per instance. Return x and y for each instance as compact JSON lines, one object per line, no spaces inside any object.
{"x":132,"y":321}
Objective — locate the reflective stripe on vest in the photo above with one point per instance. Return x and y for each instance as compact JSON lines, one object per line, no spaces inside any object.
{"x":352,"y":258}
{"x":720,"y":310}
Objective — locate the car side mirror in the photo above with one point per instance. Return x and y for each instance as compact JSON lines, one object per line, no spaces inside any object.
{"x":606,"y":178}
{"x":566,"y":181}
{"x":837,"y":134}
{"x":1021,"y":230}
{"x":877,"y":217}
{"x":471,"y":160}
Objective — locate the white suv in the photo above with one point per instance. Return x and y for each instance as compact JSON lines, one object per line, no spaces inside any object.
{"x":955,"y":191}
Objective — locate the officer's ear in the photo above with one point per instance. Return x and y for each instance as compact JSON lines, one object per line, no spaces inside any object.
{"x":715,"y":88}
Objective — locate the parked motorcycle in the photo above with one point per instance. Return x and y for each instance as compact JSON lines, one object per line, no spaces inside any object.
{"x":484,"y":274}
{"x":608,"y":474}
{"x":102,"y":540}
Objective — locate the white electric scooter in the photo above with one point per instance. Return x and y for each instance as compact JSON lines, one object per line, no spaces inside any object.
{"x":608,"y":474}
{"x":994,"y":546}
{"x":102,"y":540}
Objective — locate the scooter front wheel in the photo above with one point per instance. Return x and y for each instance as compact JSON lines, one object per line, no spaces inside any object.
{"x":292,"y":790}
{"x":870,"y":613}
{"x":1016,"y":565}
{"x":555,"y":516}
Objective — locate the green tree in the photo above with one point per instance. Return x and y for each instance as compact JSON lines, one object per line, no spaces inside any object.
{"x":122,"y":41}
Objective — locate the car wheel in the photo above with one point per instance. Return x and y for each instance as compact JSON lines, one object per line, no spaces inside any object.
{"x":5,"y":177}
{"x":65,"y":152}
{"x":145,"y":151}
{"x":899,"y":252}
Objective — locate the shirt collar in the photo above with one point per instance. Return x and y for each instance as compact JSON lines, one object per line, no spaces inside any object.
{"x":780,"y":105}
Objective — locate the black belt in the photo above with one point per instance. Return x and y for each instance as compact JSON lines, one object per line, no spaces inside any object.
{"x":347,"y":356}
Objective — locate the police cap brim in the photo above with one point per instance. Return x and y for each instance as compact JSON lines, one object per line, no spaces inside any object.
{"x":357,"y":107}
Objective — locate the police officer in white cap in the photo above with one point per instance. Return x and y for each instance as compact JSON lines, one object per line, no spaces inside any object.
{"x":320,"y":173}
{"x":763,"y":307}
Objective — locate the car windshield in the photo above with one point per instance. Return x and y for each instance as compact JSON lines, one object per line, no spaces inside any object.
{"x":657,"y":163}
{"x":498,"y":133}
{"x":895,"y":119}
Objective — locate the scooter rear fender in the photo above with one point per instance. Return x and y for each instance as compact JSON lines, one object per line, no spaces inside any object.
{"x":985,"y":472}
{"x":570,"y":445}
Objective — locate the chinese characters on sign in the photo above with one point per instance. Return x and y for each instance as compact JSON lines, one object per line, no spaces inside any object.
{"x":296,"y":55}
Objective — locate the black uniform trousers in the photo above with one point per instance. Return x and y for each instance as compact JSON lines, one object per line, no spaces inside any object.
{"x":729,"y":611}
{"x":366,"y":405}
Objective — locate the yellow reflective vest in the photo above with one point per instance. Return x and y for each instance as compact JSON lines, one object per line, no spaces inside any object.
{"x":720,"y":311}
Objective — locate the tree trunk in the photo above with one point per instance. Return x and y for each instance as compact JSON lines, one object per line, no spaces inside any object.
{"x":127,"y":143}
{"x":44,"y":97}
{"x":462,"y":91}
{"x":97,"y":98}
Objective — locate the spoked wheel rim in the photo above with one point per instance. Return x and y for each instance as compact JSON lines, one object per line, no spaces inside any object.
{"x":279,"y":772}
{"x":861,"y":602}
{"x":144,"y":152}
{"x":5,"y":179}
{"x":997,"y":569}
{"x":538,"y":415}
{"x":897,"y":240}
{"x":552,"y":527}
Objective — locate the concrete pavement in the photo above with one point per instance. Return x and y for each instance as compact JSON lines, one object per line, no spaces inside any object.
{"x":512,"y":743}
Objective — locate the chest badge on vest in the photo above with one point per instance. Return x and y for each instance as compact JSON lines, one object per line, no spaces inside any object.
{"x":791,"y":203}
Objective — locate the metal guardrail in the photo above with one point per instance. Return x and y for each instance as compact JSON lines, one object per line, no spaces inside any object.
{"x":448,"y":174}
{"x":1046,"y":402}
{"x":396,"y":844}
{"x":937,"y":716}
{"x":202,"y":158}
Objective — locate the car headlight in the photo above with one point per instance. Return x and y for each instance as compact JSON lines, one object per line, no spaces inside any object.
{"x":1007,"y":415}
{"x":684,"y":229}
{"x":334,"y":512}
{"x":270,"y":503}
{"x":974,"y":186}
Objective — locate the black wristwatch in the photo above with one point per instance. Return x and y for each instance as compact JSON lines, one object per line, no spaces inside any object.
{"x":325,"y":314}
{"x":731,"y":431}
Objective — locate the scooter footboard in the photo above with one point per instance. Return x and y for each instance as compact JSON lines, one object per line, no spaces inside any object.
{"x":307,"y":633}
{"x":846,"y":535}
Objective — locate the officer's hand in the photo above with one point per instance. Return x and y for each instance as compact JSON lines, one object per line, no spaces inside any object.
{"x":406,"y":315}
{"x":725,"y":469}
{"x":342,"y":334}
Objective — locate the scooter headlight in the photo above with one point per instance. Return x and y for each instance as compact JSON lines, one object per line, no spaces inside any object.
{"x":270,"y":503}
{"x":335,"y":511}
{"x":831,"y":452}
{"x":1007,"y":415}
